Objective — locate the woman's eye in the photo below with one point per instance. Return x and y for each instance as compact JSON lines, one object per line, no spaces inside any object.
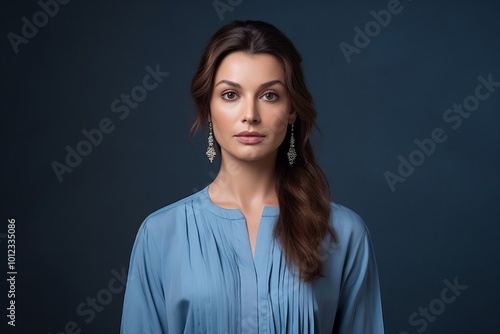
{"x":270,"y":96}
{"x":229,"y":95}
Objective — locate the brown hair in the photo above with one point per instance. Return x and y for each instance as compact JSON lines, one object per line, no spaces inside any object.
{"x":303,"y":190}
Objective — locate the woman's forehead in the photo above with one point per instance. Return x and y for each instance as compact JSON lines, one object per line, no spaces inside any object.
{"x":242,"y":67}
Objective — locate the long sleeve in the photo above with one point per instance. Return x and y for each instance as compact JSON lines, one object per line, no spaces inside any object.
{"x":144,"y":304}
{"x":360,"y":309}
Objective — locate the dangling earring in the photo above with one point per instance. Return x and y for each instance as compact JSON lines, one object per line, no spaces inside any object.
{"x":291,"y":152}
{"x":210,"y":150}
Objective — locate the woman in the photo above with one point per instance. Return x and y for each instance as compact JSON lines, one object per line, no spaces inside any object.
{"x":262,"y":249}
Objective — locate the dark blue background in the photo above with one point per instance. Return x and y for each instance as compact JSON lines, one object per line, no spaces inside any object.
{"x":442,"y":223}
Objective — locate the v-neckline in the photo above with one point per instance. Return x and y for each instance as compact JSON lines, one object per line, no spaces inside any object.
{"x":237,"y":215}
{"x":233,"y":213}
{"x":257,"y":234}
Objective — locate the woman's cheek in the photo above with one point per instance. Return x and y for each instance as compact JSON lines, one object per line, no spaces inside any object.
{"x":278,"y":121}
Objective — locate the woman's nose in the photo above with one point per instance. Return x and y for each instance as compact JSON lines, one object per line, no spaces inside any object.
{"x":250,"y":112}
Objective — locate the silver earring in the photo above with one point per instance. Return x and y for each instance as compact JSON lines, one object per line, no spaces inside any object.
{"x":210,"y":150}
{"x":292,"y":154}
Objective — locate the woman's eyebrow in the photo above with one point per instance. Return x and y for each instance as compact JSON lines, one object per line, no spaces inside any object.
{"x":271,"y":83}
{"x":264,"y":85}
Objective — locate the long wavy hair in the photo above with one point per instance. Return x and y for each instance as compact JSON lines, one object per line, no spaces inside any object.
{"x":303,"y":190}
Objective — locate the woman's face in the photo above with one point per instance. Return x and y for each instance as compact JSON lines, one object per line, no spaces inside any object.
{"x":249,"y":94}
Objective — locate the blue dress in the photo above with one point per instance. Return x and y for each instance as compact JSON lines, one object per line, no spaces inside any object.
{"x":192,"y":271}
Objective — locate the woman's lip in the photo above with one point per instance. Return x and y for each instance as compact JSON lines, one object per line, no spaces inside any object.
{"x":249,"y":139}
{"x":250,"y":133}
{"x":249,"y":136}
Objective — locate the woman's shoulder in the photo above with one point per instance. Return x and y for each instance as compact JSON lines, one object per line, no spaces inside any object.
{"x":165,"y":216}
{"x":346,"y":223}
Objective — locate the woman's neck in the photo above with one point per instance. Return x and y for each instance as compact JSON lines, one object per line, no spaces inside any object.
{"x":245,"y":184}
